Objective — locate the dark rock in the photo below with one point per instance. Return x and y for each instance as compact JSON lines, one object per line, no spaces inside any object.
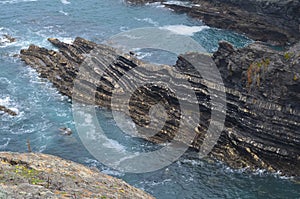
{"x":275,"y":22}
{"x":6,"y":39}
{"x":8,"y":111}
{"x":262,"y":87}
{"x":66,"y":131}
{"x":10,"y":38}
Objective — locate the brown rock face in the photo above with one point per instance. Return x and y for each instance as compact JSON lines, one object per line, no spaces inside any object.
{"x":30,"y":175}
{"x":262,"y":87}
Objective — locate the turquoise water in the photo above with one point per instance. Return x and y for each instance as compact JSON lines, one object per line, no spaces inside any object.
{"x":42,"y":110}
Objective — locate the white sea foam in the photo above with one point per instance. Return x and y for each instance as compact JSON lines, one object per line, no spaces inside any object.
{"x":63,"y":12}
{"x":65,"y":2}
{"x":4,"y":44}
{"x":112,"y":144}
{"x":98,"y":165}
{"x":40,"y":38}
{"x":193,"y":162}
{"x":148,"y":20}
{"x":4,"y":142}
{"x":153,"y":4}
{"x":156,"y":4}
{"x":4,"y":82}
{"x":142,"y":55}
{"x":180,"y":3}
{"x":5,"y":101}
{"x":112,"y":172}
{"x":15,"y":1}
{"x":185,"y":30}
{"x":67,"y":40}
{"x":8,"y":103}
{"x":42,"y":148}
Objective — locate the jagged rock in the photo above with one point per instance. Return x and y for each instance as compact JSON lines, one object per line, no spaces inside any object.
{"x":276,"y":22}
{"x":8,"y":111}
{"x":9,"y":38}
{"x":6,"y":39}
{"x":262,"y":72}
{"x":262,"y":87}
{"x":33,"y":175}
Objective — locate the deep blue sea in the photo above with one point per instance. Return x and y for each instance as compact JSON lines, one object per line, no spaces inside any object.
{"x":42,"y":110}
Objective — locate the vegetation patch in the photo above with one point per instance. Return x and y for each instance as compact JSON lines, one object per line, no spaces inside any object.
{"x":30,"y":174}
{"x":256,"y":70}
{"x":288,"y":55}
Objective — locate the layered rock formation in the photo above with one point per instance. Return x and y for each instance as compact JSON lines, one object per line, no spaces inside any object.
{"x":262,"y":87}
{"x":273,"y":21}
{"x":30,"y":175}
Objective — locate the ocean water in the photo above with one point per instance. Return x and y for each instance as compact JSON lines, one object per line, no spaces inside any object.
{"x":42,"y":110}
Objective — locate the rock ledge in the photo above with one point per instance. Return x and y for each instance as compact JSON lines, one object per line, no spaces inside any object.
{"x":32,"y":175}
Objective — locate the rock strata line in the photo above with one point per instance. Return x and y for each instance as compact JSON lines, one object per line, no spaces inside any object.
{"x":262,"y":87}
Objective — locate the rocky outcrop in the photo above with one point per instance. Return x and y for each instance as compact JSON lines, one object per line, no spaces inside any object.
{"x":5,"y":38}
{"x":30,"y":175}
{"x":276,"y":22}
{"x":263,"y":114}
{"x":8,"y":111}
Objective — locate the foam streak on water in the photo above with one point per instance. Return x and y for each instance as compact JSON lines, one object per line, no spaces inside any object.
{"x":15,"y":1}
{"x":185,"y":30}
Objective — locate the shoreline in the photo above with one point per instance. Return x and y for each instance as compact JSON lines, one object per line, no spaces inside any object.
{"x":274,"y":22}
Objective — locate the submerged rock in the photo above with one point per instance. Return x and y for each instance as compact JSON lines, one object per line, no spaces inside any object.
{"x":6,"y":39}
{"x":32,"y":175}
{"x":262,"y":87}
{"x":8,"y":111}
{"x":66,"y":131}
{"x":276,"y":22}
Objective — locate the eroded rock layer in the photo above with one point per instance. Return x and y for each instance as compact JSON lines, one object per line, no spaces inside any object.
{"x":262,"y":88}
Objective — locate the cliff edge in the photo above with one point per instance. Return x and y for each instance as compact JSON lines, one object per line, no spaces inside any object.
{"x":32,"y":175}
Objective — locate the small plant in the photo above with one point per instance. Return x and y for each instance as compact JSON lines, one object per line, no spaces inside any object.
{"x":266,"y":62}
{"x":256,"y":70}
{"x":249,"y":75}
{"x":287,"y":55}
{"x":30,"y":174}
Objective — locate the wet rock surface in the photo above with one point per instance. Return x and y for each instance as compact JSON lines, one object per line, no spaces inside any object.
{"x":273,"y":21}
{"x":6,"y":39}
{"x":262,"y":87}
{"x":30,"y":175}
{"x":3,"y":109}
